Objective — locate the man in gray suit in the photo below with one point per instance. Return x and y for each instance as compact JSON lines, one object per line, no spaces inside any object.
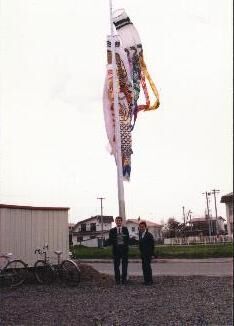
{"x":119,"y":239}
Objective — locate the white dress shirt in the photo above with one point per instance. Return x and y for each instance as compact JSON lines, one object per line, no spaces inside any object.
{"x":143,"y":234}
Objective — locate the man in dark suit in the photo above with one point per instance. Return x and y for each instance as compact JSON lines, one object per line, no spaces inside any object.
{"x":119,"y":239}
{"x":146,"y":246}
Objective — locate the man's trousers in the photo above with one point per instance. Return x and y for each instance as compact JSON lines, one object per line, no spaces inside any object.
{"x":120,"y":254}
{"x":146,"y":268}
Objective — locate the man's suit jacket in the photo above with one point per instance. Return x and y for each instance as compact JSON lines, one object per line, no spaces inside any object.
{"x":146,"y":245}
{"x":113,"y":238}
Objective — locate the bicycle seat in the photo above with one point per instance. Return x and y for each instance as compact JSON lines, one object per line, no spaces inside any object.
{"x":58,"y":252}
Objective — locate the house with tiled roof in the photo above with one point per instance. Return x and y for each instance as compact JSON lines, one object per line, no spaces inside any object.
{"x":90,"y":231}
{"x":228,"y":201}
{"x":154,"y":228}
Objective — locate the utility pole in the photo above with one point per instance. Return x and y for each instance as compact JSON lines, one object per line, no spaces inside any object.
{"x":190,"y":219}
{"x":183,"y":215}
{"x":101,"y":199}
{"x":214,"y":192}
{"x":208,"y":210}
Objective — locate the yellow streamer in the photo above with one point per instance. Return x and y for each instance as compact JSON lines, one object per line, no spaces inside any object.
{"x":152,"y":85}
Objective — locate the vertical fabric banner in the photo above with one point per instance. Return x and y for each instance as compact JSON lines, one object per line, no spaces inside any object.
{"x":133,"y":77}
{"x":140,"y":76}
{"x":125,"y":105}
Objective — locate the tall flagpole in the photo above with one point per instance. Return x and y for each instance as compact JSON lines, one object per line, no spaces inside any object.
{"x":117,"y":125}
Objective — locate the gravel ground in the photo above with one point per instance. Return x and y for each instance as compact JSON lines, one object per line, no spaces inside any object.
{"x":97,"y":301}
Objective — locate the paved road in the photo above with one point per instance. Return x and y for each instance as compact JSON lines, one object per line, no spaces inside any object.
{"x":208,"y":267}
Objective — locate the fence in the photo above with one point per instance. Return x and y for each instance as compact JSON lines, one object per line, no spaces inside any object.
{"x":198,"y":240}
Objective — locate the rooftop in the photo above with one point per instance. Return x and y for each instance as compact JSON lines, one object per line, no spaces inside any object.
{"x":34,"y":207}
{"x":205,"y":219}
{"x":106,"y":219}
{"x":227,"y":198}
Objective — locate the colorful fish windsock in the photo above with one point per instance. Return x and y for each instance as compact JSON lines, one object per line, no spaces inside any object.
{"x":125,"y":104}
{"x":132,"y":77}
{"x":131,"y":42}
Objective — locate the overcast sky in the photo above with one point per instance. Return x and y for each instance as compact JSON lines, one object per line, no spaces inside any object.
{"x":52,"y":135}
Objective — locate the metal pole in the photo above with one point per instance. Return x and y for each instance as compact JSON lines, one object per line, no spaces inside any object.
{"x":215,"y":191}
{"x":117,"y":125}
{"x":190,"y":219}
{"x":208,"y":212}
{"x":183,"y":215}
{"x":101,"y":199}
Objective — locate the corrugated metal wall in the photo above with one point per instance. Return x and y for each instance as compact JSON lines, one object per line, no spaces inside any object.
{"x":22,"y":230}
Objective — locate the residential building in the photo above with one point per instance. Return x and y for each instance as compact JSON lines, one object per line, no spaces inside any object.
{"x":154,"y":228}
{"x":70,"y":228}
{"x":89,"y":232}
{"x":228,"y":201}
{"x":207,"y":225}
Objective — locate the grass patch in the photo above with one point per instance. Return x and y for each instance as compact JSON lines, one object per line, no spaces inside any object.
{"x":196,"y":251}
{"x":192,"y":251}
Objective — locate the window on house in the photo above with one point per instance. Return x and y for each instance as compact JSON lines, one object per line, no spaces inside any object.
{"x":133,"y":229}
{"x":83,"y":227}
{"x":92,"y":237}
{"x":93,"y":227}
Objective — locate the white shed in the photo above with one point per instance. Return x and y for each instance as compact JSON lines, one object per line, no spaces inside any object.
{"x":25,"y":228}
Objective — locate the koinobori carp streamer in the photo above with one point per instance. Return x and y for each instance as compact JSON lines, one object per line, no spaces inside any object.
{"x":132,"y":79}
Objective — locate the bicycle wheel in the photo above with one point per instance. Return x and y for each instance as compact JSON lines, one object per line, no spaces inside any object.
{"x":15,"y":272}
{"x":44,"y":272}
{"x":70,"y":272}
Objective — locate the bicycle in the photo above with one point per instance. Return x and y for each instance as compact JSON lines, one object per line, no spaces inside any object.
{"x":13,"y":271}
{"x":46,"y":273}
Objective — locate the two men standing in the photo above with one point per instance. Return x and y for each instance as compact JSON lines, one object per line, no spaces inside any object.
{"x":119,"y":239}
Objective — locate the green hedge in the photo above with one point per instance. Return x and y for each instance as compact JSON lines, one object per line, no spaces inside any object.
{"x":194,"y":251}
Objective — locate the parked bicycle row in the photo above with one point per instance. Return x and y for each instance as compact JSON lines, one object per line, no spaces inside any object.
{"x":13,"y":272}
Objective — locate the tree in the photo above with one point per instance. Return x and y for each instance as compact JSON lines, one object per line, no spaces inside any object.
{"x":171,"y":228}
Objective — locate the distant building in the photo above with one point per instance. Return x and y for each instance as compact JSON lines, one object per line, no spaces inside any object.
{"x":70,"y":228}
{"x":228,"y":201}
{"x":88,"y":232}
{"x":154,"y":228}
{"x":207,"y":226}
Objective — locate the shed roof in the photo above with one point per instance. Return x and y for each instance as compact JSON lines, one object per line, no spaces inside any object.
{"x":34,"y":207}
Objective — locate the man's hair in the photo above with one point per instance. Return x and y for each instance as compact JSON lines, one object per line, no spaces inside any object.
{"x":143,"y":223}
{"x":119,"y":218}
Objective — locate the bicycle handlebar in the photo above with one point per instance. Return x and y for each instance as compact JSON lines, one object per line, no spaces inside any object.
{"x":41,"y":251}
